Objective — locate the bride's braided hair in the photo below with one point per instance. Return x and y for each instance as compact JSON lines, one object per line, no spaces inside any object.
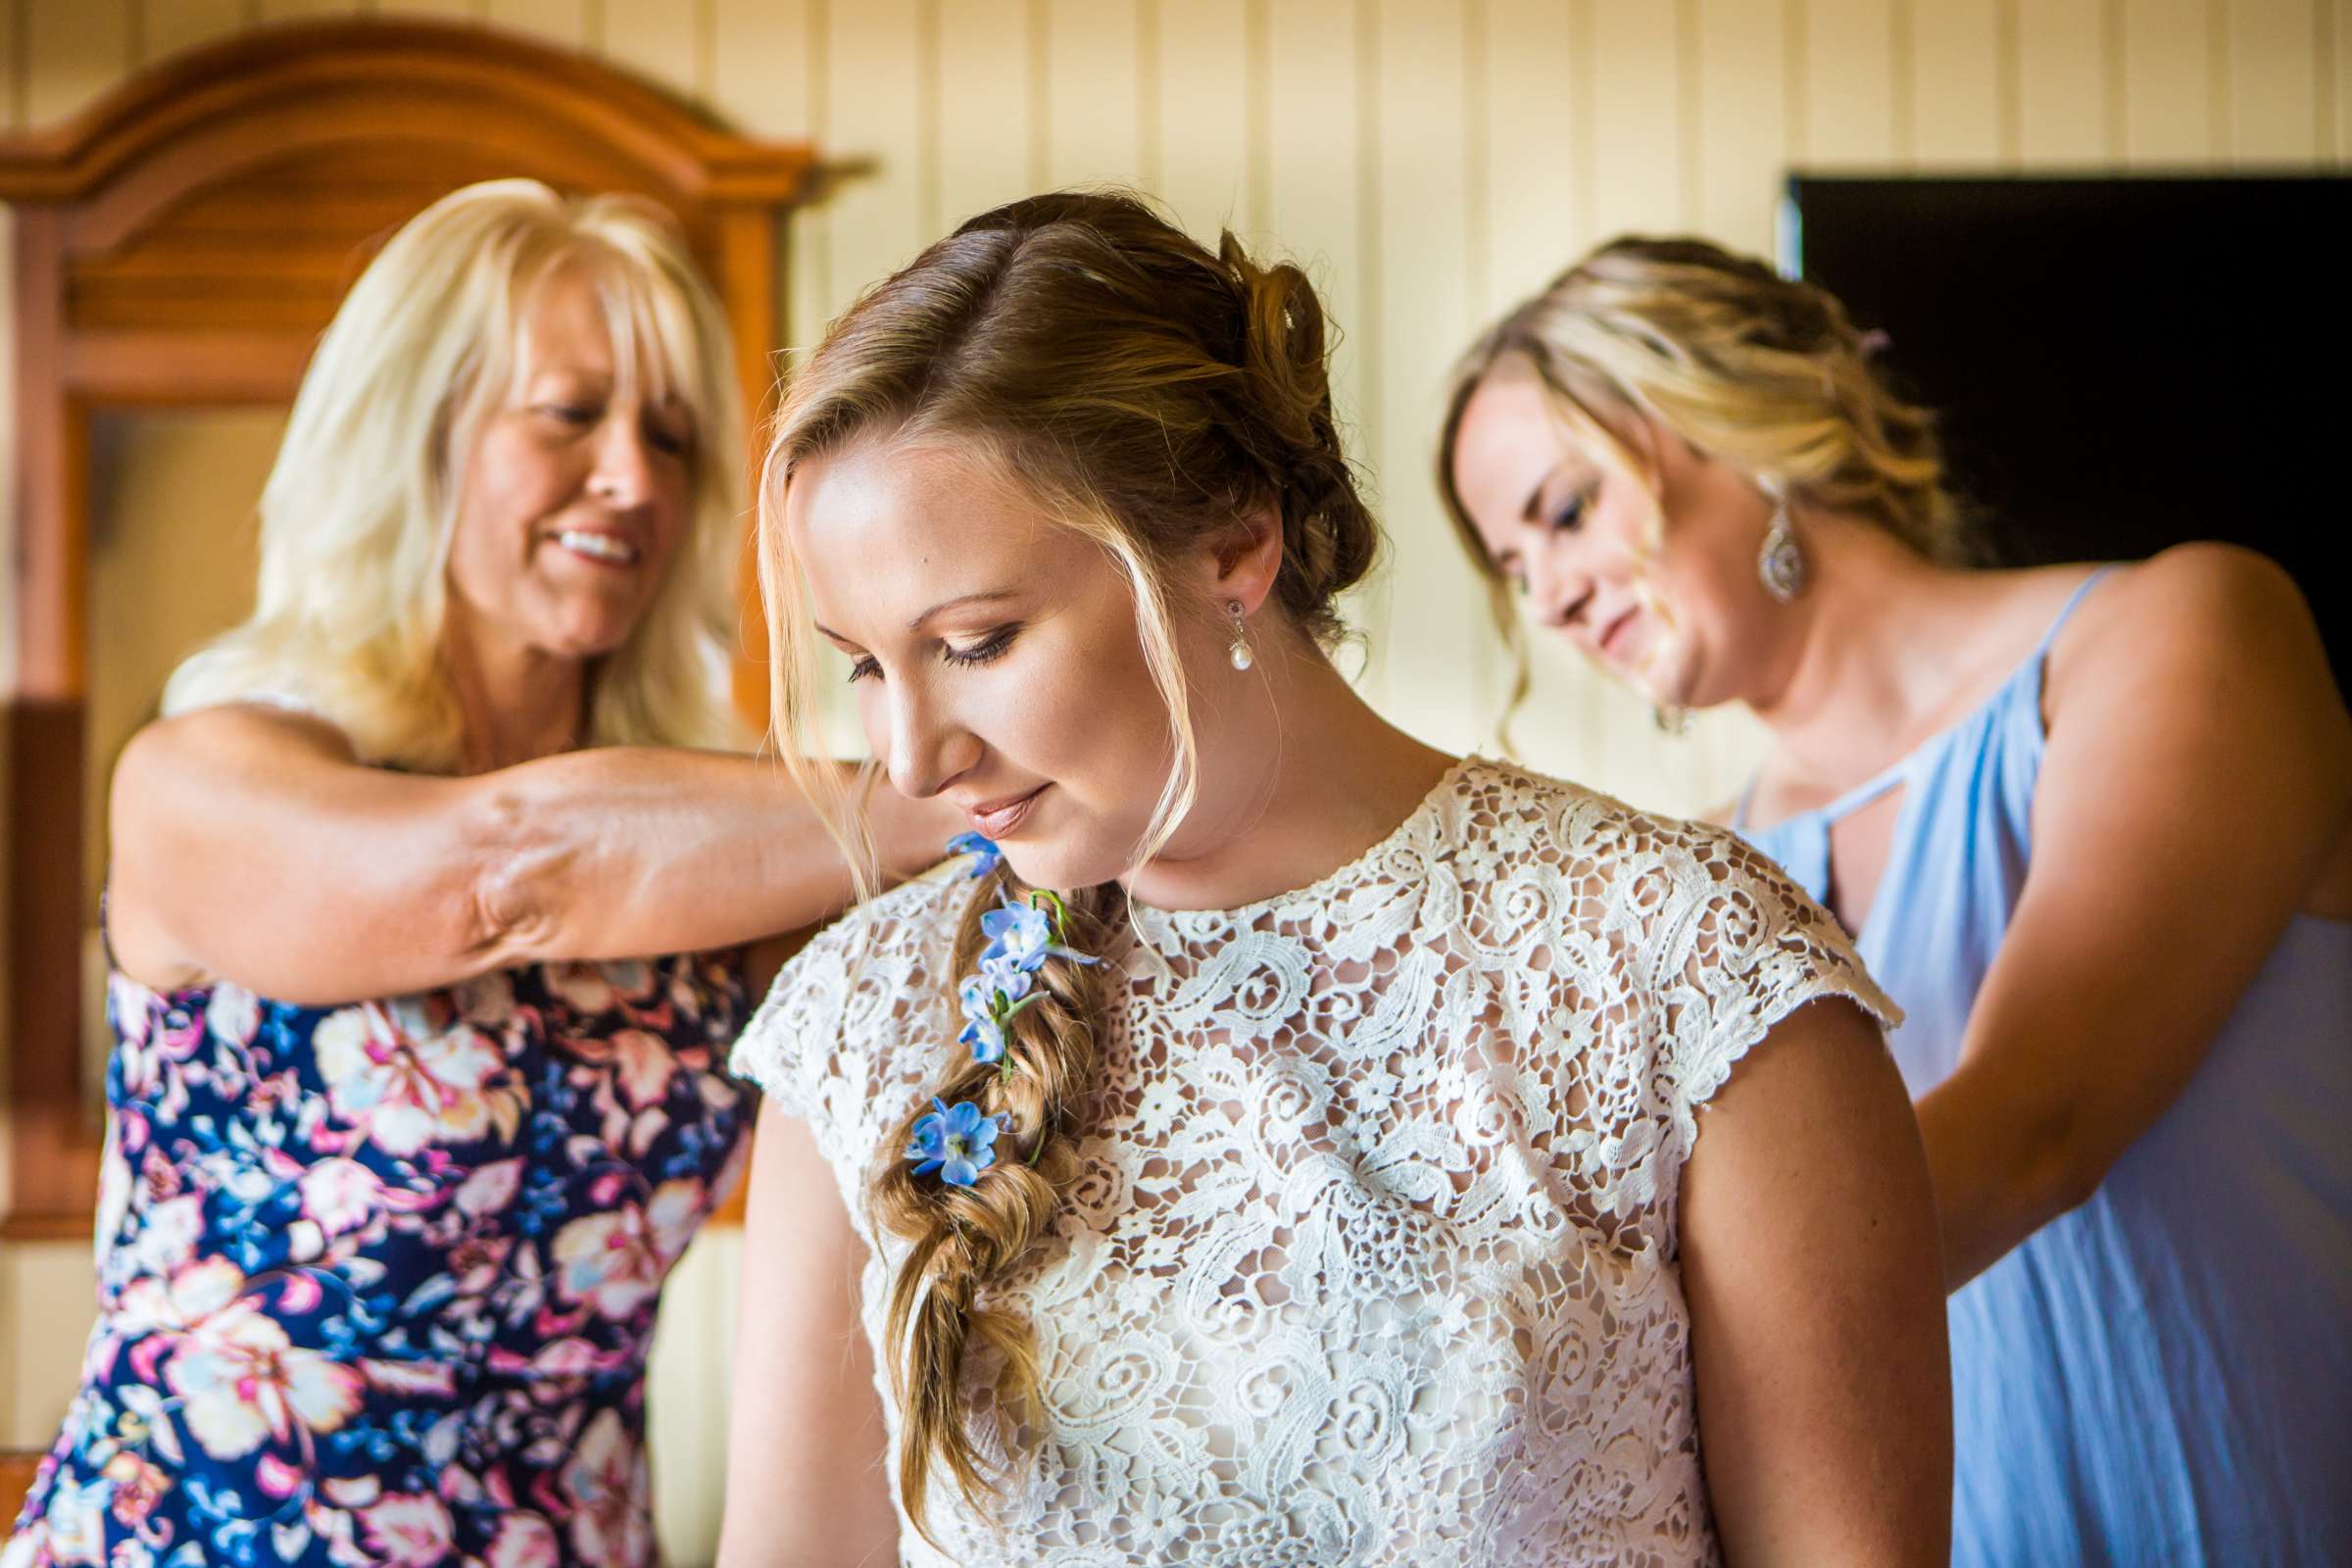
{"x":1149,"y":394}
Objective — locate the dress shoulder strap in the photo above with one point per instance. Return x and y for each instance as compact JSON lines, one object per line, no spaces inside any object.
{"x":2065,"y":613}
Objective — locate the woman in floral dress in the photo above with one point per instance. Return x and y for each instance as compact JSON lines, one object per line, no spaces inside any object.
{"x":403,"y":1140}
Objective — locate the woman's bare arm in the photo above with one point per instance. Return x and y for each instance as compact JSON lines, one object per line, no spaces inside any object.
{"x":250,"y":844}
{"x":807,"y":1486}
{"x":1810,"y":1266}
{"x":2198,"y":782}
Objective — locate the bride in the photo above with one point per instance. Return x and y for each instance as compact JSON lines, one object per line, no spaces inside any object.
{"x":1316,"y":1174}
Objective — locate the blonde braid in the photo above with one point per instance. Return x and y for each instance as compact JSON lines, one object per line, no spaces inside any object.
{"x":965,"y":1238}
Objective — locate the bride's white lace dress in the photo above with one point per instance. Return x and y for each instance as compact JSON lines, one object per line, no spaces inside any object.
{"x":1373,"y":1259}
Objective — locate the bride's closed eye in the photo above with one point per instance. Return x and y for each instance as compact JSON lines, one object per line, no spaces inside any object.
{"x":986,"y":651}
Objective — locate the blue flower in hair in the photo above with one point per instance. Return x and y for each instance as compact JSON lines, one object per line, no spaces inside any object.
{"x":989,"y":999}
{"x":960,"y":1143}
{"x":1021,"y":935}
{"x":986,"y":857}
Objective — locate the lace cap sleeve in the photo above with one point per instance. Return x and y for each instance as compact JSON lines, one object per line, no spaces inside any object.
{"x":1749,"y":948}
{"x":843,"y":1005}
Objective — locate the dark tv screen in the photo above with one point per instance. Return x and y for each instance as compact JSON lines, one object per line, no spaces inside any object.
{"x":2121,"y":364}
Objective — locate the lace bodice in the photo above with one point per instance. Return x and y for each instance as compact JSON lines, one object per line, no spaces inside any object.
{"x":1372,"y":1259}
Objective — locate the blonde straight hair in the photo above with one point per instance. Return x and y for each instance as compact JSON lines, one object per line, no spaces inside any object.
{"x":1150,"y":394}
{"x":357,"y":513}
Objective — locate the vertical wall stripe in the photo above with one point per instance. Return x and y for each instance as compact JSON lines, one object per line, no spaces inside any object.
{"x":1583,"y":138}
{"x":2221,"y":134}
{"x":167,"y":26}
{"x":1901,"y":63}
{"x":1691,"y":129}
{"x":2168,"y":84}
{"x":2326,"y":105}
{"x":2275,"y":112}
{"x":2118,"y":85}
{"x":1796,"y":98}
{"x":83,"y":49}
{"x":2008,"y":134}
{"x":1208,"y":96}
{"x":1257,"y":54}
{"x":1041,"y":100}
{"x":930,"y":197}
{"x":1150,"y":172}
{"x":1637,"y":178}
{"x":1478,"y":162}
{"x":1742,"y":150}
{"x":563,"y":22}
{"x":1955,"y":75}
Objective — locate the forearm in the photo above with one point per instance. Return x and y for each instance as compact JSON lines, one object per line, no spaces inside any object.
{"x":2002,"y":1165}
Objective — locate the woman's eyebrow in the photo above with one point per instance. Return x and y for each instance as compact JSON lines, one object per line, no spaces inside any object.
{"x":989,"y":596}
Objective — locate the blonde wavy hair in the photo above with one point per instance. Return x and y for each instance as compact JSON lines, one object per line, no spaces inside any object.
{"x":1764,"y":372}
{"x":357,"y":513}
{"x":1148,"y":394}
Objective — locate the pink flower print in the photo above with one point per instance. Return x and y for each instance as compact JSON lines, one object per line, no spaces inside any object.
{"x":133,"y":1007}
{"x":408,"y":1530}
{"x":486,"y":1002}
{"x":168,"y":1234}
{"x":607,"y":1481}
{"x":643,"y":1064}
{"x":630,"y":1095}
{"x":617,"y":1260}
{"x":242,"y":1380}
{"x":76,"y":1521}
{"x":153,"y":1305}
{"x":523,"y":1540}
{"x":138,"y":1486}
{"x":405,"y":1088}
{"x":491,"y":1189}
{"x":589,"y":988}
{"x":339,"y":1193}
{"x":233,"y":1016}
{"x":475,"y":1262}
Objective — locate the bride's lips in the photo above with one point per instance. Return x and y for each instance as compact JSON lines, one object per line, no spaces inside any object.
{"x":994,"y":819}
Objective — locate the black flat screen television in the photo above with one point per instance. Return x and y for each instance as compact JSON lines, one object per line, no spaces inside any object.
{"x":2122,"y":363}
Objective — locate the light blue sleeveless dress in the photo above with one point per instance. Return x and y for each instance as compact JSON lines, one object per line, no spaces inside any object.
{"x":2164,"y":1375}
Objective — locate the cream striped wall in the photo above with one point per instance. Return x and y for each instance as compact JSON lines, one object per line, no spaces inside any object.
{"x":1432,"y":161}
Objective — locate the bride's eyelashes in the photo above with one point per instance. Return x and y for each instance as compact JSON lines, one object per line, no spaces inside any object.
{"x":984,"y":652}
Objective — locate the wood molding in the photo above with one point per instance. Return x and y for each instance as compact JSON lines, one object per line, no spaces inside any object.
{"x":182,"y":243}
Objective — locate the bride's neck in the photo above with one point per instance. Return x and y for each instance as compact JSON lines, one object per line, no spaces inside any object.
{"x":1304,"y":778}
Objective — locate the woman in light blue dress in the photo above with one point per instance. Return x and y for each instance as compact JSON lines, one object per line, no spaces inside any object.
{"x":2090,"y":827}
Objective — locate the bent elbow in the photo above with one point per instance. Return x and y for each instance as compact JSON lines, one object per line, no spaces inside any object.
{"x":2068,"y":1167}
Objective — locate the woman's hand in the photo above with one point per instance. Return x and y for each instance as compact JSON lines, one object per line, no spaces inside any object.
{"x":1810,"y":1266}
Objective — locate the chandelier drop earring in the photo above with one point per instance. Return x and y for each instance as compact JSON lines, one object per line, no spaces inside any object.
{"x":1780,"y":563}
{"x":1239,"y":649}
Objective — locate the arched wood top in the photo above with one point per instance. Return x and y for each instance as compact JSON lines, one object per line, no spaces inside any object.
{"x":391,"y":81}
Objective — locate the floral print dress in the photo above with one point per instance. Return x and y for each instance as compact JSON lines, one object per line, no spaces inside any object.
{"x":376,"y":1283}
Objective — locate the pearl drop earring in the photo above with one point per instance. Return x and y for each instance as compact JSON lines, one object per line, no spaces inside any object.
{"x":1239,"y":649}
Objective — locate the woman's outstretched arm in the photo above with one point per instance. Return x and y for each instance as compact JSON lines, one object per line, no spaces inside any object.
{"x":806,"y":1485}
{"x":2196,"y":790}
{"x":251,"y":845}
{"x":1811,"y":1269}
